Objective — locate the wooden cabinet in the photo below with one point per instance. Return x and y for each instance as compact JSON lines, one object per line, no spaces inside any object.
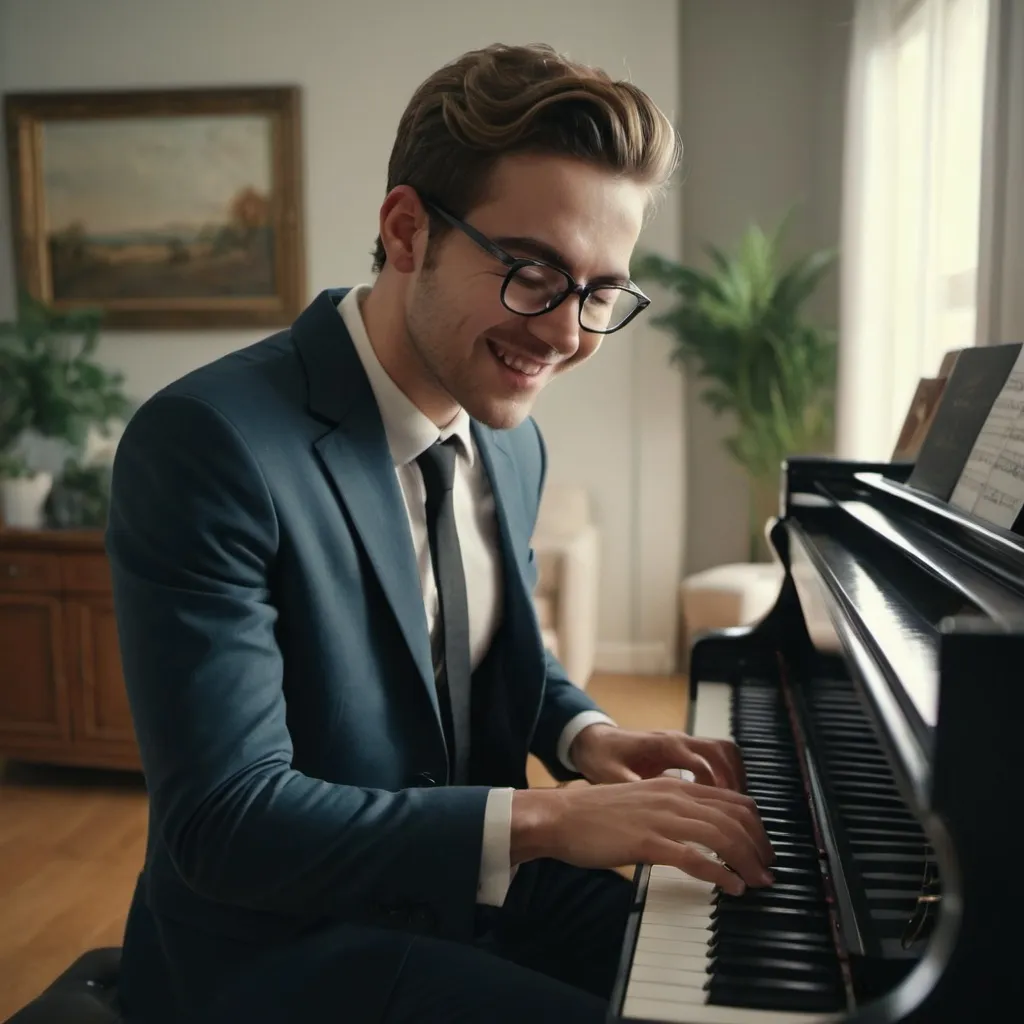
{"x":62,"y":694}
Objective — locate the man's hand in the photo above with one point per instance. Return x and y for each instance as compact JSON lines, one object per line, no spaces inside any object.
{"x":605,"y":753}
{"x":653,"y":821}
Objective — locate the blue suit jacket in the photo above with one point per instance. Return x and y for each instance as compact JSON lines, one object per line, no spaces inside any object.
{"x":278,"y":668}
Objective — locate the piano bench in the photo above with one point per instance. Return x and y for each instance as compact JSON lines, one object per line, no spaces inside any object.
{"x":735,"y":594}
{"x":86,"y":993}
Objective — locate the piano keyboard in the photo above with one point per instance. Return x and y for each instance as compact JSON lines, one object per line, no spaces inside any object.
{"x":767,"y":957}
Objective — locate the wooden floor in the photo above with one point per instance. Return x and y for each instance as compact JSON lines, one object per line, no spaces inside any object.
{"x":72,"y":843}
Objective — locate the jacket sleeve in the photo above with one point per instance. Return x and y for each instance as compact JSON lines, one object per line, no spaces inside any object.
{"x":192,"y":537}
{"x":563,"y":700}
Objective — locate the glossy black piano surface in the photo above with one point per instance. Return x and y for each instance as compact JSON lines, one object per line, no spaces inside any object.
{"x":878,"y":709}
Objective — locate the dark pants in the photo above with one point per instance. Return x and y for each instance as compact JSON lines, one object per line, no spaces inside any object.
{"x":548,"y":955}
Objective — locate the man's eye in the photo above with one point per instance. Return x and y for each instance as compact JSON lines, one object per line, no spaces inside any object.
{"x":533,"y":280}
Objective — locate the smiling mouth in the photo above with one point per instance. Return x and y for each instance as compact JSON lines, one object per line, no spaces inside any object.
{"x":516,"y":361}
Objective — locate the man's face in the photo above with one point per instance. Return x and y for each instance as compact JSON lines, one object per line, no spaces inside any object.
{"x":579,"y":218}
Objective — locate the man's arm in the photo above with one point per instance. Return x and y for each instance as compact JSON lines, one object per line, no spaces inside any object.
{"x":192,"y":537}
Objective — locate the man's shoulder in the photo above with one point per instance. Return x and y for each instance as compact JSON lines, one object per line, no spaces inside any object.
{"x":252,"y":379}
{"x":236,"y":373}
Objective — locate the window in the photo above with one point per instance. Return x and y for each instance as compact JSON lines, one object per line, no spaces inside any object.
{"x":913,"y":195}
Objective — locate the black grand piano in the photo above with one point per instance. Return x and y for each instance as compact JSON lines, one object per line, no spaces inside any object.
{"x":878,"y":708}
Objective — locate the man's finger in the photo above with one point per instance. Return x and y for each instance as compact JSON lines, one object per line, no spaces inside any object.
{"x":721,"y":834}
{"x":702,"y":791}
{"x":750,"y":819}
{"x":680,"y":754}
{"x":725,"y":759}
{"x":691,"y":861}
{"x":620,"y":773}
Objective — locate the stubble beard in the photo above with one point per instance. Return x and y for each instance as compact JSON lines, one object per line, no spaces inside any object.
{"x":451,"y":372}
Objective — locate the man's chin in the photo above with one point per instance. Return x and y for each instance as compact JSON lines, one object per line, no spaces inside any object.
{"x":497,"y":414}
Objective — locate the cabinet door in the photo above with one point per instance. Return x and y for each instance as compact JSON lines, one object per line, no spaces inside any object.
{"x":101,"y":713}
{"x":33,"y":687}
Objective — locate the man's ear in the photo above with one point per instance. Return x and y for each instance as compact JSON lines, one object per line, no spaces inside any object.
{"x":403,"y":227}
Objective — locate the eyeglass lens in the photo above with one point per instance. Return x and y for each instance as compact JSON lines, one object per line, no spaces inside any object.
{"x":533,"y":288}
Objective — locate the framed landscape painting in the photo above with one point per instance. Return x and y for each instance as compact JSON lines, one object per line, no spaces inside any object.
{"x":164,"y":209}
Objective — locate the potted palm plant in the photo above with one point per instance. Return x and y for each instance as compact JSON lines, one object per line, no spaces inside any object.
{"x":51,"y":387}
{"x":741,"y":327}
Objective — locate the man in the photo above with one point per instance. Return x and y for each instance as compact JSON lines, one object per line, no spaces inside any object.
{"x":322,"y":568}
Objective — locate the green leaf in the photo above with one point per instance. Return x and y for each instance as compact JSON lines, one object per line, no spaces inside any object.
{"x":740,"y":327}
{"x":48,"y":381}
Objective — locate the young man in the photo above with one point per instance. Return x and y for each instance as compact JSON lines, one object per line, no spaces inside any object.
{"x":322,"y":570}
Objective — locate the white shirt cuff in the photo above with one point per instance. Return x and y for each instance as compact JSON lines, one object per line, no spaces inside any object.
{"x":496,"y":872}
{"x":573,"y":728}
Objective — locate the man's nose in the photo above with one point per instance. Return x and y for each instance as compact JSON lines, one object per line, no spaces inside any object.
{"x":559,"y":329}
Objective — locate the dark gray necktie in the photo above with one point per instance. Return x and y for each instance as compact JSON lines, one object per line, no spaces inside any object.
{"x":452,"y":672}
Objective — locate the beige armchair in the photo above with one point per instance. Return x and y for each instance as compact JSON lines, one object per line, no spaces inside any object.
{"x":567,"y":546}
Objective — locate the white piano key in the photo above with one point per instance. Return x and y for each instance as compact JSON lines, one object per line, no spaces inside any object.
{"x":659,"y":956}
{"x":712,"y":718}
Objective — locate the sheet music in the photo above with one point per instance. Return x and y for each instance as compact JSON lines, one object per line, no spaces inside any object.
{"x":991,"y":485}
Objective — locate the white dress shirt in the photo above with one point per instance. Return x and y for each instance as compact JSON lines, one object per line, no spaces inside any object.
{"x":410,"y":433}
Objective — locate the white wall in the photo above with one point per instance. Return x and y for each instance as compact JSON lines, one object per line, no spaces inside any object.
{"x":762,"y":112}
{"x":615,"y":426}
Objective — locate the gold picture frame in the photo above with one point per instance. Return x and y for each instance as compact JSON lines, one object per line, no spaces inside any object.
{"x":163,"y":208}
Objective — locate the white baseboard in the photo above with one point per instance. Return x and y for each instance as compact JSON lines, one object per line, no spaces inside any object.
{"x":651,"y":659}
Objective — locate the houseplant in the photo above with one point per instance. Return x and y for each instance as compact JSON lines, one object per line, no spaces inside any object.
{"x":51,"y":387}
{"x":741,"y":327}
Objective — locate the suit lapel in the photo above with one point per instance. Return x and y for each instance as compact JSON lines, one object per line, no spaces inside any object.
{"x":525,"y":657}
{"x":508,"y":500}
{"x":355,"y":455}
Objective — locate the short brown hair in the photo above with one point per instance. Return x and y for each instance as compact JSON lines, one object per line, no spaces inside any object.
{"x":501,"y":100}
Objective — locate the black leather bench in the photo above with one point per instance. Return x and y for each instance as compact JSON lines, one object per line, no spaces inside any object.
{"x":86,"y":993}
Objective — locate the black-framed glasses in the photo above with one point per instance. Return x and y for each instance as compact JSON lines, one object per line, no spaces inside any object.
{"x":532,"y":287}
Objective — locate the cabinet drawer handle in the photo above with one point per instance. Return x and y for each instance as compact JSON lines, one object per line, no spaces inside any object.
{"x":12,"y":569}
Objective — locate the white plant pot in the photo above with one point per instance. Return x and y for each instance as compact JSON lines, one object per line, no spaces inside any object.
{"x":22,"y":501}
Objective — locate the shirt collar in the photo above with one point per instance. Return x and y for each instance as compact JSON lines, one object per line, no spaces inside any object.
{"x":409,"y":431}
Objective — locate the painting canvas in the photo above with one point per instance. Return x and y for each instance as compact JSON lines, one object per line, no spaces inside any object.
{"x":163,"y":209}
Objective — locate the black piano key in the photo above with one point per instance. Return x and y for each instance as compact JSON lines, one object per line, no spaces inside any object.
{"x":875,"y":832}
{"x":784,"y":887}
{"x":770,"y":897}
{"x":797,"y":847}
{"x":889,"y":859}
{"x":782,"y":827}
{"x":787,"y":873}
{"x":798,"y":861}
{"x":803,"y":947}
{"x":764,"y":913}
{"x":778,"y":936}
{"x":774,"y":994}
{"x":770,"y":966}
{"x":911,"y":879}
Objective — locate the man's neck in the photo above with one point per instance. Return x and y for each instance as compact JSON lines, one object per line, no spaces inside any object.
{"x":381,"y":311}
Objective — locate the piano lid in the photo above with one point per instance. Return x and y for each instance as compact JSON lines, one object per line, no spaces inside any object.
{"x":897,"y":571}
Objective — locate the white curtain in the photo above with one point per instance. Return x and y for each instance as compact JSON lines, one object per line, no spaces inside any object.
{"x":911,"y":207}
{"x":1001,"y":267}
{"x":865,"y":268}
